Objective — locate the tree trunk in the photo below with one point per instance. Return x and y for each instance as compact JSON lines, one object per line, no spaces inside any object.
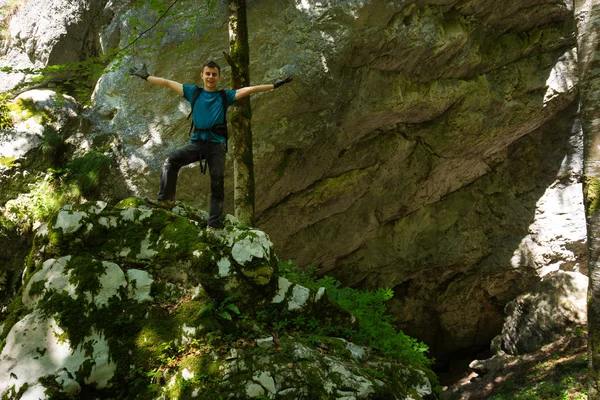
{"x":241,"y":114}
{"x":587,"y":17}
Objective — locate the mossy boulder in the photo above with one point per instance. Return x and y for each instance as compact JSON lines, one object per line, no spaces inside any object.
{"x":138,"y":302}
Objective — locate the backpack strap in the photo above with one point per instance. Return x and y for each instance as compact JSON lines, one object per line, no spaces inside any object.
{"x":224,"y":101}
{"x":194,"y":98}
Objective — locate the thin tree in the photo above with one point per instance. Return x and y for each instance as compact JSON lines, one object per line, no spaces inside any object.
{"x":587,"y":16}
{"x":241,"y":114}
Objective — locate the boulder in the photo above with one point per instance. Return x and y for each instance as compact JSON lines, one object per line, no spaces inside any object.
{"x":131,"y":300}
{"x":557,"y":303}
{"x":42,"y":33}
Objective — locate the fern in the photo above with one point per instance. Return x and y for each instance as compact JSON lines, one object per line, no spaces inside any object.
{"x":376,"y":325}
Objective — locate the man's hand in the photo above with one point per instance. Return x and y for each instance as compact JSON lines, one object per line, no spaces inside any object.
{"x":142,"y":72}
{"x":283,"y":82}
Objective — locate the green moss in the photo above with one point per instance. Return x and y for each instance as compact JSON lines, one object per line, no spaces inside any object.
{"x":8,"y":162}
{"x":332,"y":188}
{"x":130,"y":202}
{"x":69,"y":313}
{"x":25,"y":108}
{"x":145,"y":339}
{"x":37,"y":288}
{"x":161,"y":328}
{"x":205,"y":370}
{"x":592,"y":194}
{"x":179,"y":235}
{"x":12,"y":394}
{"x":16,"y":310}
{"x":85,"y":274}
{"x":6,"y":121}
{"x":85,"y":370}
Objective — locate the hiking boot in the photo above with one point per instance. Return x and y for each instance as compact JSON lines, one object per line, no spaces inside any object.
{"x":215,"y":225}
{"x":166,"y":204}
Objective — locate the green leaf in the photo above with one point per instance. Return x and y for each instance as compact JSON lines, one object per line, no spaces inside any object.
{"x":226,"y":315}
{"x":205,"y":309}
{"x":233,"y":308}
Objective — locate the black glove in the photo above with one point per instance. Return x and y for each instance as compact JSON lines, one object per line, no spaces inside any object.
{"x":283,"y":82}
{"x":142,"y":72}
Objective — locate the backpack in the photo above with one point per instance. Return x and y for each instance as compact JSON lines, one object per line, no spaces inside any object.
{"x":220,"y":129}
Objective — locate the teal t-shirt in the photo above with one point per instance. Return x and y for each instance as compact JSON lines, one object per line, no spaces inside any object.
{"x":208,"y":110}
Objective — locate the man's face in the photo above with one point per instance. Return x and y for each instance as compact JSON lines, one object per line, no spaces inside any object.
{"x":211,"y":78}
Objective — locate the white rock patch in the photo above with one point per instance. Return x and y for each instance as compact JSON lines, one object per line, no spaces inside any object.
{"x":110,"y":282}
{"x":319,"y":294}
{"x":189,"y":332}
{"x":33,"y":350}
{"x":144,"y":214}
{"x":266,"y":380}
{"x":187,"y":374}
{"x":424,"y":389}
{"x":98,"y":207}
{"x":224,"y":267}
{"x":283,"y":285}
{"x":128,"y":214}
{"x":246,"y":249}
{"x":42,"y":230}
{"x":69,"y":222}
{"x":254,"y":390}
{"x":110,"y":222}
{"x":143,"y":285}
{"x":54,"y":276}
{"x":299,"y":298}
{"x":265,"y":343}
{"x":145,"y":251}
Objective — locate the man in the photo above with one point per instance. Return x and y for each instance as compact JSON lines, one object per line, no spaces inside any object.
{"x":206,"y":142}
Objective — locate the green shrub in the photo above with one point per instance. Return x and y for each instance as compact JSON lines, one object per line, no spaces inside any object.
{"x":376,"y":326}
{"x":53,"y":145}
{"x":86,"y":172}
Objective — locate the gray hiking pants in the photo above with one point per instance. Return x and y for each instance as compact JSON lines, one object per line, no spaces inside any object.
{"x":214,"y":153}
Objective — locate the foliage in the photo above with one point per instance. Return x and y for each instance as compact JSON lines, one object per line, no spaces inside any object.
{"x":376,"y":326}
{"x":44,"y":198}
{"x":80,"y":178}
{"x":53,"y":145}
{"x":5,"y":118}
{"x":85,"y":173}
{"x":224,"y":310}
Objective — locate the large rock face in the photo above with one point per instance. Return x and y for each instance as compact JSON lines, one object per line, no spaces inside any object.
{"x":40,"y":33}
{"x":422,"y":146}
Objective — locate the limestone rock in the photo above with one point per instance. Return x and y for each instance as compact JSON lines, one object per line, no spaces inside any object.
{"x":115,"y":293}
{"x":42,"y":33}
{"x":422,"y":145}
{"x":533,"y":319}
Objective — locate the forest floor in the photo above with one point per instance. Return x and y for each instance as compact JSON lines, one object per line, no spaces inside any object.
{"x":556,"y":371}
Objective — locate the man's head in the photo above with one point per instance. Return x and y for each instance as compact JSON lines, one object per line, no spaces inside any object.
{"x":211,"y":75}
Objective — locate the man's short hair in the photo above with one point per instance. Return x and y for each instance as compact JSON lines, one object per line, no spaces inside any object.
{"x":212,"y":64}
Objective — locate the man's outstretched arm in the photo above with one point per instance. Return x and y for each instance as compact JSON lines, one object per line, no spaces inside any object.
{"x":174,"y":86}
{"x":243,"y":92}
{"x":142,"y":72}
